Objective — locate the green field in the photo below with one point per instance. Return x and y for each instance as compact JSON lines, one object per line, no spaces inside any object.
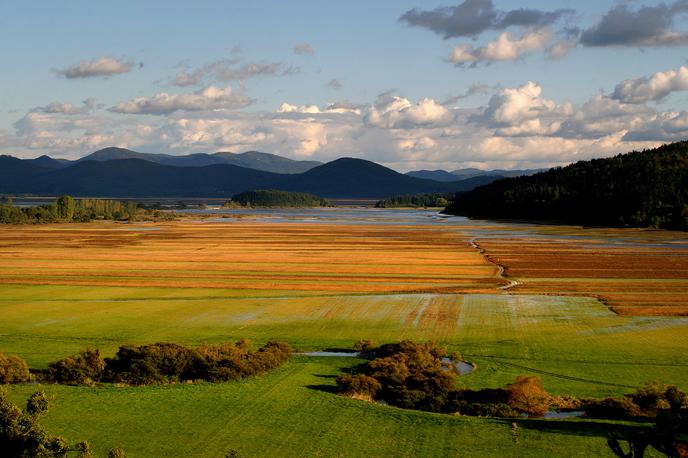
{"x":291,"y":413}
{"x":569,"y":337}
{"x":577,"y":345}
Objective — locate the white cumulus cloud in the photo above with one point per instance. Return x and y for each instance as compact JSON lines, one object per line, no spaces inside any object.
{"x":394,"y":112}
{"x":510,"y":107}
{"x":656,"y":87}
{"x":505,"y":47}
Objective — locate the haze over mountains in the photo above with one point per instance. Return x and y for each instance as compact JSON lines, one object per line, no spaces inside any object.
{"x":463,"y":174}
{"x":250,"y":159}
{"x":117,"y":172}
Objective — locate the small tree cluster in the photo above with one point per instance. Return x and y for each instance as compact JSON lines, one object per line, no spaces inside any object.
{"x":359,"y":386}
{"x":22,"y":435}
{"x":68,"y":209}
{"x":404,"y":374}
{"x":417,"y":200}
{"x":86,"y":368}
{"x":169,"y":363}
{"x":365,"y":347}
{"x":13,"y":370}
{"x":648,"y":401}
{"x":415,"y":376}
{"x":670,"y":432}
{"x":276,"y":198}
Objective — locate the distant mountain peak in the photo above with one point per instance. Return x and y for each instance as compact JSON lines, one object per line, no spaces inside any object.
{"x":256,"y":160}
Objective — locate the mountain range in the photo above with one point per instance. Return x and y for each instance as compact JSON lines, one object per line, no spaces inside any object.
{"x":116,"y":172}
{"x":463,"y":174}
{"x":250,"y":159}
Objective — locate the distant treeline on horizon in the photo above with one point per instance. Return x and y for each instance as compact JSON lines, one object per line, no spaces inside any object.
{"x":68,"y":209}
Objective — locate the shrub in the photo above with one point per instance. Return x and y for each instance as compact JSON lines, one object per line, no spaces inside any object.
{"x":676,"y":398}
{"x":85,"y":368}
{"x":565,"y":402}
{"x":651,"y":400}
{"x":499,"y":409}
{"x":365,"y":347}
{"x":156,"y":363}
{"x":13,"y":370}
{"x":612,"y":408}
{"x":117,"y":452}
{"x":527,"y":395}
{"x":409,"y":375}
{"x":166,"y":362}
{"x":651,"y":397}
{"x":359,"y":386}
{"x":484,"y":396}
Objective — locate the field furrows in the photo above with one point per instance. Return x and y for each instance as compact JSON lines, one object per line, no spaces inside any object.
{"x":247,"y":256}
{"x":632,"y":279}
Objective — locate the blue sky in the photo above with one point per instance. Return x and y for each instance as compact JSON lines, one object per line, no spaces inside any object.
{"x":529,"y":105}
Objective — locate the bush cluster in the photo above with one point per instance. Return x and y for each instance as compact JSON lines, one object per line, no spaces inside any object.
{"x":416,"y":376}
{"x":13,"y":370}
{"x":86,"y":368}
{"x":647,"y":401}
{"x":169,"y":363}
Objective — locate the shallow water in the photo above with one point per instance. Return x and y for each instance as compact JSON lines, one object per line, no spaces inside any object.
{"x":479,"y":228}
{"x":562,"y":415}
{"x":462,"y":367}
{"x":333,"y":354}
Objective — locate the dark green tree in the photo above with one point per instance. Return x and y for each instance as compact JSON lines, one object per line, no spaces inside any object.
{"x":22,"y":435}
{"x":65,"y":206}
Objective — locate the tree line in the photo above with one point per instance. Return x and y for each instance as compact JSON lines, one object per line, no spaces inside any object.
{"x":68,"y":209}
{"x":154,"y":364}
{"x":276,"y":198}
{"x":417,"y":201}
{"x":639,"y":189}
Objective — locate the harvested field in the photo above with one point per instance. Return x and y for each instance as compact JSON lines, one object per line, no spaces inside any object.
{"x":631,"y":278}
{"x":354,"y":259}
{"x":323,"y":286}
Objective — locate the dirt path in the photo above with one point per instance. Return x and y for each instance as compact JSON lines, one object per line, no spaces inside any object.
{"x":500,"y":268}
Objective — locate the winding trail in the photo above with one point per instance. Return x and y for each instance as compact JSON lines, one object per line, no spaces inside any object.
{"x":500,"y":268}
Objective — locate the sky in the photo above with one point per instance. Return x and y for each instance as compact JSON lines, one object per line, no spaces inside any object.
{"x":409,"y":84}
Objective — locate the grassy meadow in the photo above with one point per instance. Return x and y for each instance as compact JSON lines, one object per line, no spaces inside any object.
{"x":320,"y":286}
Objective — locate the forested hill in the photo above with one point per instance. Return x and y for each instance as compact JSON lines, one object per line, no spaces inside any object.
{"x":638,"y":189}
{"x":275,"y":198}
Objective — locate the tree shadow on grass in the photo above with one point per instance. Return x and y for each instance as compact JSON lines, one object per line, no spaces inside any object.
{"x":332,"y":389}
{"x":578,"y":427}
{"x":340,"y":350}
